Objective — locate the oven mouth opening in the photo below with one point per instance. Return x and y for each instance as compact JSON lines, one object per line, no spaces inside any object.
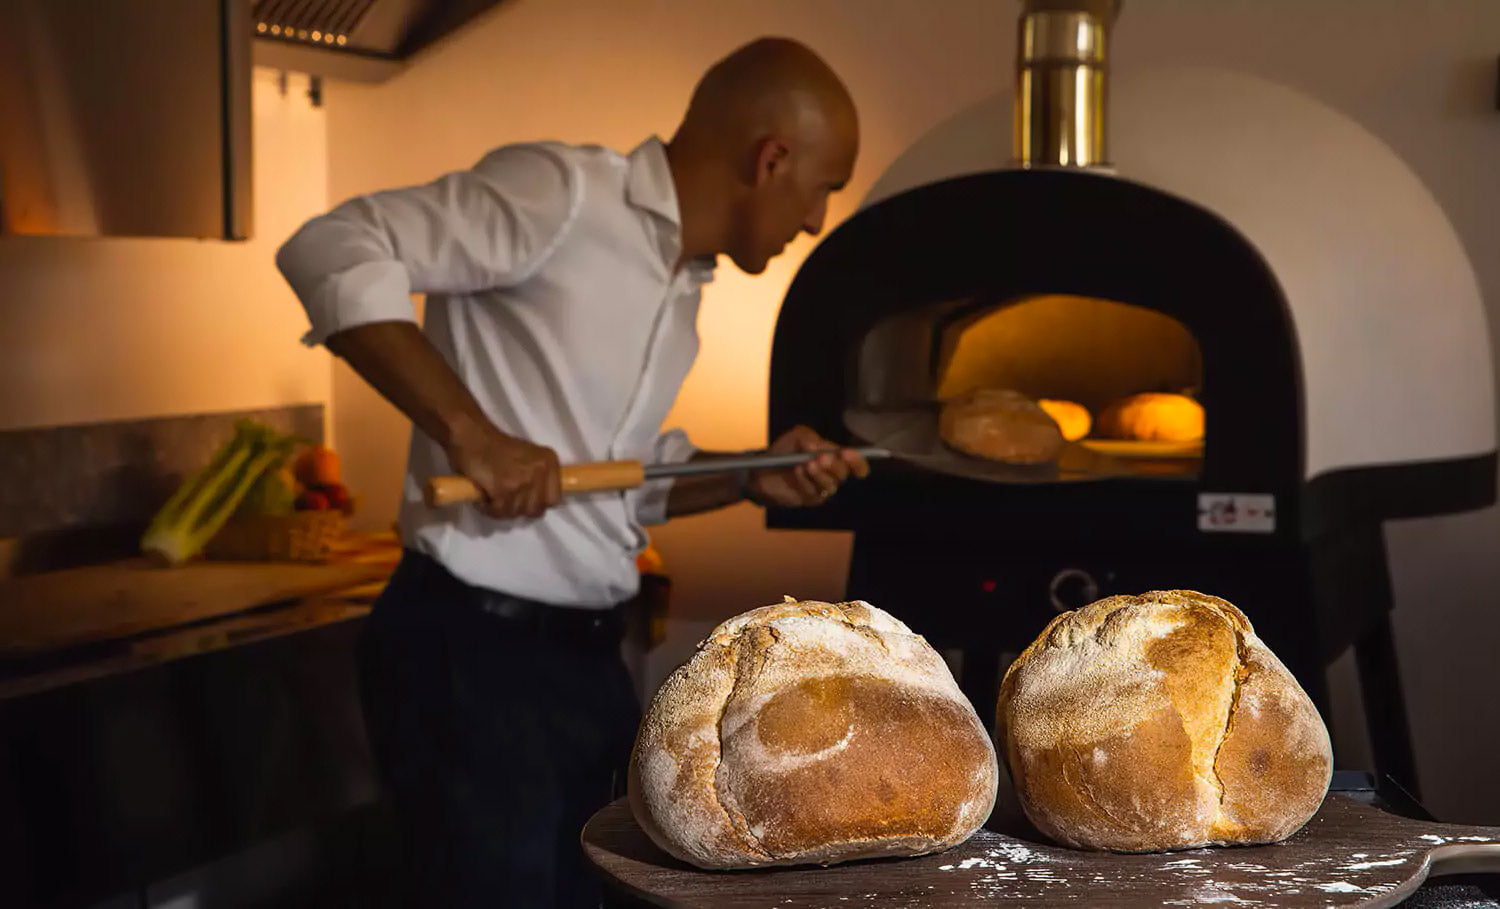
{"x":1121,"y":381}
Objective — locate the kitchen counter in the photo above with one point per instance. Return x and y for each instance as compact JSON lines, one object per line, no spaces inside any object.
{"x":113,"y":634}
{"x":20,"y":678}
{"x":134,"y":758}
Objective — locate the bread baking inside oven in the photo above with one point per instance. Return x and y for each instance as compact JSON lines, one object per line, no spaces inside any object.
{"x":1001,"y":425}
{"x":1152,"y":417}
{"x":1160,"y":721}
{"x":810,"y":733}
{"x":1072,"y":418}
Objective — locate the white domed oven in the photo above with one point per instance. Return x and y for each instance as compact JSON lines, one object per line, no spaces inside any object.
{"x":1251,"y":255}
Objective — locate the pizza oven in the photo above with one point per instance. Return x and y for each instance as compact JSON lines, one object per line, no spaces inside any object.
{"x":1234,"y":243}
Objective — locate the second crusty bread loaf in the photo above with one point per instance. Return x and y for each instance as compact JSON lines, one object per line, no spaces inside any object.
{"x":1160,"y":722}
{"x":810,"y":732}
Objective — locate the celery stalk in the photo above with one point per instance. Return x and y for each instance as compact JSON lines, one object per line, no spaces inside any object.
{"x":188,"y":492}
{"x":197,"y":510}
{"x":191,"y":513}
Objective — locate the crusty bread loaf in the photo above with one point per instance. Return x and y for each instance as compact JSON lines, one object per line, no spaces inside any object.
{"x":1001,"y":425}
{"x":1157,"y":722}
{"x":1152,"y":417}
{"x":810,"y":733}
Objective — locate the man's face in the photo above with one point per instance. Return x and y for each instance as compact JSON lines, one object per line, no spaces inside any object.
{"x":794,"y":176}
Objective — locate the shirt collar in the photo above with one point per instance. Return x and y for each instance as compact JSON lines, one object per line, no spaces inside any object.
{"x":649,"y":187}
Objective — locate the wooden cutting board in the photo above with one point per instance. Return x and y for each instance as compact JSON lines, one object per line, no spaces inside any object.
{"x":61,"y":609}
{"x":1350,"y":854}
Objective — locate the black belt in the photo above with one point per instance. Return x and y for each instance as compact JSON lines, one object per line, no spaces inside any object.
{"x":576,"y":624}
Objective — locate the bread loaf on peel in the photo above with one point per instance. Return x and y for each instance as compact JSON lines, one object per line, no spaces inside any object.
{"x":810,"y":733}
{"x":1159,"y":722}
{"x":1001,"y":425}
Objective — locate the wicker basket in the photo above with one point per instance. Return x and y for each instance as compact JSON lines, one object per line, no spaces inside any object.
{"x":302,"y":536}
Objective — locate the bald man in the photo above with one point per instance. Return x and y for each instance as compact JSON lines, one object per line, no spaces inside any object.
{"x":563,"y":286}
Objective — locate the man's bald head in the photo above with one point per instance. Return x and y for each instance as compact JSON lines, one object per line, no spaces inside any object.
{"x":771,"y":130}
{"x":769,"y":84}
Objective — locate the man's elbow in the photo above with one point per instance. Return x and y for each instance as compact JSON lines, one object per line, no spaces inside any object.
{"x":304,"y":265}
{"x":292,"y":255}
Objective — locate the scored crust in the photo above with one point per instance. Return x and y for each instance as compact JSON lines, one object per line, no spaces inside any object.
{"x":1160,"y":721}
{"x":810,"y":732}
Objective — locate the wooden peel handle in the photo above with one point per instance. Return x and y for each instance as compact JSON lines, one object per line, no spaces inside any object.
{"x":603,"y":476}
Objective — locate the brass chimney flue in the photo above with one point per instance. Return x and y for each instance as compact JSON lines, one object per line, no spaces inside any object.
{"x":1062,"y":83}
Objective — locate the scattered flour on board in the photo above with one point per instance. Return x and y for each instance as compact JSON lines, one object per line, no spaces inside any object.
{"x":1340,"y":887}
{"x":1007,"y":865}
{"x":1212,"y":894}
{"x":1000,"y":858}
{"x":968,"y":863}
{"x":1015,"y":852}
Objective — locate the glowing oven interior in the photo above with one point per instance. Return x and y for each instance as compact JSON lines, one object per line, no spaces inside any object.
{"x":1134,"y":371}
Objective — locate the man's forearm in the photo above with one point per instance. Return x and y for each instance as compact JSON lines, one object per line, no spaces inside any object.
{"x":401,"y":364}
{"x":705,"y":492}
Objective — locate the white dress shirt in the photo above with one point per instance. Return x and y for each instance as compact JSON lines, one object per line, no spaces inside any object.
{"x":551,"y":293}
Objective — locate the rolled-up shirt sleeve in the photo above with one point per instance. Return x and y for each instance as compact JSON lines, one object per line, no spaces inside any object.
{"x":490,"y":226}
{"x":671,"y":447}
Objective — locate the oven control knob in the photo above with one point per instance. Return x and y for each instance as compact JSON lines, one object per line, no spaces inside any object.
{"x":1072,"y":588}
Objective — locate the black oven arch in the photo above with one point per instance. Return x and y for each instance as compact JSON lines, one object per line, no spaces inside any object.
{"x":1018,"y":233}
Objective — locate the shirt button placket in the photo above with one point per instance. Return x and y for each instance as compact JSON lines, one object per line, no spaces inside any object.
{"x":653,"y":344}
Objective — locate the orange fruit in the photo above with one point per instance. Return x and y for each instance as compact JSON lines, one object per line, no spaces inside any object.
{"x":317,"y":466}
{"x":649,"y":561}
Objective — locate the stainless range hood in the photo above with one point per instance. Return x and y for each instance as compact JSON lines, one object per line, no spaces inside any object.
{"x":360,"y":40}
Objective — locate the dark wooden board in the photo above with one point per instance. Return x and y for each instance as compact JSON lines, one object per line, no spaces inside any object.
{"x":1350,"y":854}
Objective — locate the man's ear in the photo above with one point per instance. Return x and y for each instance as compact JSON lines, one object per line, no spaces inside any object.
{"x":770,"y":157}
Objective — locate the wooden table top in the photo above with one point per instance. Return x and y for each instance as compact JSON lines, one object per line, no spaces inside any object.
{"x":1350,"y":854}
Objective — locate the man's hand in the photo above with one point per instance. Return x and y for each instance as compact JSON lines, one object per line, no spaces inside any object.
{"x":518,"y":479}
{"x":809,"y":483}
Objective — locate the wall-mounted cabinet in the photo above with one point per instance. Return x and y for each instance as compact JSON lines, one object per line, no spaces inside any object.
{"x":125,"y":118}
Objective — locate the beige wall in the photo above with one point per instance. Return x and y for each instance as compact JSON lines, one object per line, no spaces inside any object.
{"x":112,"y":329}
{"x":1418,"y":74}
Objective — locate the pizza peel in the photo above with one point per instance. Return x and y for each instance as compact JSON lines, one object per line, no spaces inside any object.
{"x":904,"y":434}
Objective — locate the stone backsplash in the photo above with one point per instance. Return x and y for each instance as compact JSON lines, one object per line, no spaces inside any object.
{"x":72,"y":491}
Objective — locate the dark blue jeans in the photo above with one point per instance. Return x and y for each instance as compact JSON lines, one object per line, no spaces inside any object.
{"x":497,"y":739}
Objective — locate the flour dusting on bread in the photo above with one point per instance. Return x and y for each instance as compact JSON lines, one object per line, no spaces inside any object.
{"x":1160,"y":722}
{"x":811,"y":732}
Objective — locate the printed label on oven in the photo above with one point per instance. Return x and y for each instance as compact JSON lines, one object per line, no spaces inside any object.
{"x":1236,"y":512}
